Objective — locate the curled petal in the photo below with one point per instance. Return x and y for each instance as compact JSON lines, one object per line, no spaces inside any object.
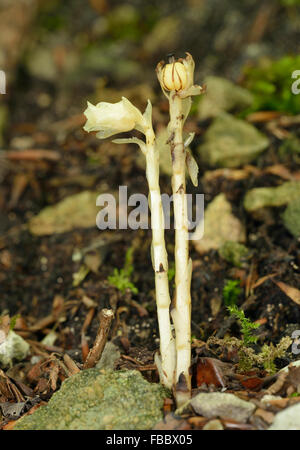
{"x":159,"y":73}
{"x":189,"y":65}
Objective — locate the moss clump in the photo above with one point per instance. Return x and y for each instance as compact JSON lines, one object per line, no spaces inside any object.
{"x":234,"y":253}
{"x":247,"y":356}
{"x":231,"y":292}
{"x":270,"y":83}
{"x":121,"y":278}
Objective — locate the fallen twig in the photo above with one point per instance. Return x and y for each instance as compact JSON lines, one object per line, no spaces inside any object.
{"x":106,"y":317}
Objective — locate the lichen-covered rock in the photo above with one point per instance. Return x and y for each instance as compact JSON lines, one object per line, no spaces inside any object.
{"x":231,"y":142}
{"x":222,"y":405}
{"x":97,"y":399}
{"x":265,"y":197}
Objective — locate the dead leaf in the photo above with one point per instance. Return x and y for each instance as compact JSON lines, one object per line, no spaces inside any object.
{"x":252,"y":383}
{"x":282,"y":172}
{"x":197,"y":422}
{"x":209,"y":371}
{"x":263,"y":116}
{"x":230,"y":424}
{"x":290,"y":291}
{"x":8,"y":390}
{"x":263,"y":279}
{"x":10,"y":425}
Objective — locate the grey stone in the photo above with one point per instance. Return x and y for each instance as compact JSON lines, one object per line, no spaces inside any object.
{"x":96,"y":399}
{"x":231,"y":142}
{"x":12,"y":347}
{"x":225,"y":406}
{"x":109,"y":356}
{"x":272,"y":196}
{"x":288,"y":419}
{"x":222,"y":95}
{"x":220,"y":225}
{"x":75,"y":211}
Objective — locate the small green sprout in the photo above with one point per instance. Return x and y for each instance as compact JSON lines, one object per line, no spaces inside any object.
{"x":247,"y":326}
{"x":121,"y":278}
{"x":171,"y":271}
{"x":231,"y":292}
{"x":295,"y":394}
{"x":13,"y":321}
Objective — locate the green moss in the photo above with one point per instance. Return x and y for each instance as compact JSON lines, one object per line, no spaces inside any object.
{"x":248,"y":358}
{"x":271,"y":82}
{"x":247,"y":327}
{"x":121,"y":278}
{"x":235,"y":253}
{"x":231,"y":292}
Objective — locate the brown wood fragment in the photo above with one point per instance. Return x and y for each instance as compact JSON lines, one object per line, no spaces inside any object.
{"x":267,"y":416}
{"x":276,"y":387}
{"x":71,"y":365}
{"x":32,"y":155}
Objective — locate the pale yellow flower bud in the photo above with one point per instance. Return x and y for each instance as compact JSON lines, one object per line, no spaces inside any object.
{"x":174,"y":76}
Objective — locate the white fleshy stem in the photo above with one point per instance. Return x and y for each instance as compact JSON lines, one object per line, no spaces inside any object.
{"x":166,"y":362}
{"x":181,"y":311}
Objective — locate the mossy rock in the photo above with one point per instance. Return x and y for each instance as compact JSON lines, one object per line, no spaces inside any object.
{"x":97,"y":399}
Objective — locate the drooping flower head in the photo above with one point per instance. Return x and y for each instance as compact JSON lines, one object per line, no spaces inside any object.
{"x":112,"y":118}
